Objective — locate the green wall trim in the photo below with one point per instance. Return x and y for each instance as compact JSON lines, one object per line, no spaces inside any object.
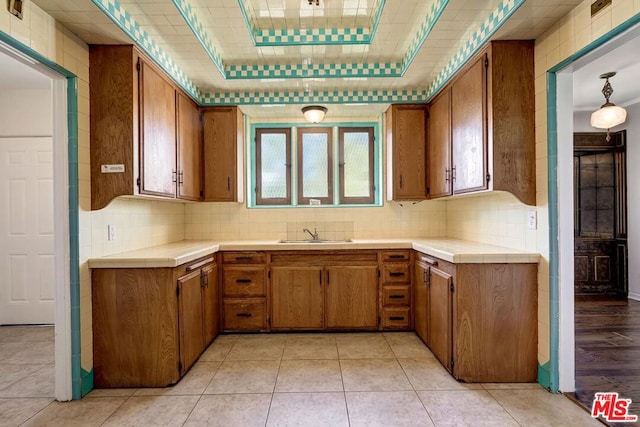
{"x":87,"y":381}
{"x":552,"y":367}
{"x":544,"y":375}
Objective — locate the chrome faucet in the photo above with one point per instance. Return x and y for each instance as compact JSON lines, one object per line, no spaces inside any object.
{"x":313,"y":235}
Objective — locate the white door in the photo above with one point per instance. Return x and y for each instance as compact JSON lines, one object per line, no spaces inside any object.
{"x":26,"y":231}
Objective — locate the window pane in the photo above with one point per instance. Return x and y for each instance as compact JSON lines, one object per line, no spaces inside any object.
{"x":315,"y":162}
{"x":273,"y":165}
{"x":356,"y":164}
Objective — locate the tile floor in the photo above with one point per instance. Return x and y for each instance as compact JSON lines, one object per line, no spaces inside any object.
{"x":369,"y":379}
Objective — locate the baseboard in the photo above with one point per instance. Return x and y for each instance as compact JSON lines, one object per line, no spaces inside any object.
{"x":634,"y":296}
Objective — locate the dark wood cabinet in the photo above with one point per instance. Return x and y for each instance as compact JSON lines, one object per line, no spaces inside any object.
{"x":297,"y":297}
{"x":211,"y":302}
{"x":352,"y":297}
{"x":223,"y":153}
{"x":406,"y":136}
{"x":189,"y":138}
{"x":395,"y":299}
{"x":244,"y":290}
{"x":151,"y":324}
{"x":491,"y":137}
{"x":439,"y":315}
{"x":420,"y":301}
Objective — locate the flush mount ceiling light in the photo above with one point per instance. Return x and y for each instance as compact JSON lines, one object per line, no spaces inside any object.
{"x":609,"y":115}
{"x":314,"y":113}
{"x":317,"y":2}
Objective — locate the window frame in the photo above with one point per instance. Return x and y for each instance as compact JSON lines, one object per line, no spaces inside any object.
{"x":372,"y":186}
{"x":315,"y":130}
{"x":259,"y":200}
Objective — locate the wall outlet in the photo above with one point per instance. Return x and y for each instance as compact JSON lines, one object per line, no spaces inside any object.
{"x":111,"y":232}
{"x":532,"y":219}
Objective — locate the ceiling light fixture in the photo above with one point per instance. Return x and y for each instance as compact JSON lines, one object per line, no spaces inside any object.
{"x":314,"y":113}
{"x":311,"y":2}
{"x":609,"y":114}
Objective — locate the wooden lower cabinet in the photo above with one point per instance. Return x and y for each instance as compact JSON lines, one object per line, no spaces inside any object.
{"x":352,"y":297}
{"x":244,"y":289}
{"x":479,"y":320}
{"x":150,"y":324}
{"x":246,"y":314}
{"x":211,"y":303}
{"x":297,"y":297}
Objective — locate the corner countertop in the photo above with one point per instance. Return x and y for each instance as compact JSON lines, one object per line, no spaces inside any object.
{"x":178,"y":253}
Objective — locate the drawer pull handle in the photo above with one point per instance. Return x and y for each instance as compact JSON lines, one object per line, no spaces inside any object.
{"x":243,"y":314}
{"x":244,"y":258}
{"x":428,"y":260}
{"x":396,"y":256}
{"x":396,"y":273}
{"x":396,"y":317}
{"x":199,"y":264}
{"x":396,"y":296}
{"x":243,"y":280}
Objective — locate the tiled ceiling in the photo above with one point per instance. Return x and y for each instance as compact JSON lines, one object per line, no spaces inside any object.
{"x":272,"y":56}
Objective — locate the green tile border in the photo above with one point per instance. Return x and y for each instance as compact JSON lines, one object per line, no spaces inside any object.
{"x":74,"y":205}
{"x":301,"y":97}
{"x":552,"y":181}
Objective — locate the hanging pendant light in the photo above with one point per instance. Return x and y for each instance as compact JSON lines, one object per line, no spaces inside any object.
{"x":314,"y":113}
{"x":609,"y":114}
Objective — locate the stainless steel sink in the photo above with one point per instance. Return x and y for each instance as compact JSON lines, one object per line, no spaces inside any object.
{"x":315,"y":241}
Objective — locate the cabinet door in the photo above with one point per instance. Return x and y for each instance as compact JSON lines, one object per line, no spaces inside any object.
{"x":189,"y":149}
{"x":440,"y":316}
{"x":439,"y":146}
{"x":352,"y":297}
{"x":409,"y":162}
{"x":211,"y":302}
{"x":220,"y":153}
{"x":158,"y":173}
{"x":297,"y":298}
{"x":190,"y":318}
{"x":420,"y":299}
{"x":468,"y":124}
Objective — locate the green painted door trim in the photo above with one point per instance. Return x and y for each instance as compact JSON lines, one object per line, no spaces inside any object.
{"x":551,"y":381}
{"x":74,"y":242}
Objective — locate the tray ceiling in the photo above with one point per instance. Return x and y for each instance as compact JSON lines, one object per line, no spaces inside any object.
{"x":270,"y":56}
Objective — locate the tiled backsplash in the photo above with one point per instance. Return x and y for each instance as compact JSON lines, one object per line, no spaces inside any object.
{"x":226,"y":221}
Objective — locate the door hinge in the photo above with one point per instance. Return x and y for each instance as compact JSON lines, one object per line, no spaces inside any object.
{"x":451,"y":363}
{"x":138,"y":182}
{"x":488,"y":177}
{"x":269,"y":320}
{"x":180,"y":367}
{"x":428,"y":190}
{"x":269,"y":274}
{"x":378,"y":272}
{"x":451,"y":287}
{"x":486,"y":62}
{"x":138,"y":65}
{"x":177,"y":291}
{"x":379,"y":320}
{"x":429,"y":278}
{"x":201,"y":193}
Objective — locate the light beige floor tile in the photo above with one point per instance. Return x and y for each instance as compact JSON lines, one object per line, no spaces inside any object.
{"x":26,"y":333}
{"x":111,"y":392}
{"x":372,"y":347}
{"x":465,"y":408}
{"x":541,"y":408}
{"x":429,"y":374}
{"x":387,"y":408}
{"x":40,"y":383}
{"x":16,"y":411}
{"x":308,"y":409}
{"x":257,"y":348}
{"x":225,"y":410}
{"x":9,"y":374}
{"x":194,"y":383}
{"x":373,"y":375}
{"x":245,"y":376}
{"x":310,"y":347}
{"x":219,"y":348}
{"x":512,"y":386}
{"x":309,"y":376}
{"x":407,"y":345}
{"x":33,"y":353}
{"x":153,"y":411}
{"x":81,"y":413}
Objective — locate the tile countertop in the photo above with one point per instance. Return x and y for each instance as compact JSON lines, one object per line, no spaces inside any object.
{"x":452,"y":250}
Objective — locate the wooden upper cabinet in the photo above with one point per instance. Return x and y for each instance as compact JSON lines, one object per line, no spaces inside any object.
{"x":189,"y":149}
{"x":492,"y":124}
{"x":158,"y":174}
{"x":468,"y":129}
{"x":439,"y":146}
{"x":223,"y":153}
{"x":406,"y":145}
{"x":139,"y":120}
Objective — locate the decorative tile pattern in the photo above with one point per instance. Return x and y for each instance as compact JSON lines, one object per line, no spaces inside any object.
{"x":314,"y":70}
{"x":495,"y":20}
{"x":302,"y":97}
{"x":430,"y":20}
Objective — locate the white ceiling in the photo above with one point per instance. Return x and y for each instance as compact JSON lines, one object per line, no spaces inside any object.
{"x":18,"y":75}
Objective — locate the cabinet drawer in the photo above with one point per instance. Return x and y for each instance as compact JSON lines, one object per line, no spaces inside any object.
{"x":395,"y":318}
{"x":396,"y":256}
{"x":396,"y":273}
{"x":245,"y":315}
{"x":244,"y":257}
{"x":395,"y":295}
{"x":243,"y":281}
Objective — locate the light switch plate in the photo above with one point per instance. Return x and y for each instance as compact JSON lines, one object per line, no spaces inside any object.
{"x":111,"y":230}
{"x":532,"y":219}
